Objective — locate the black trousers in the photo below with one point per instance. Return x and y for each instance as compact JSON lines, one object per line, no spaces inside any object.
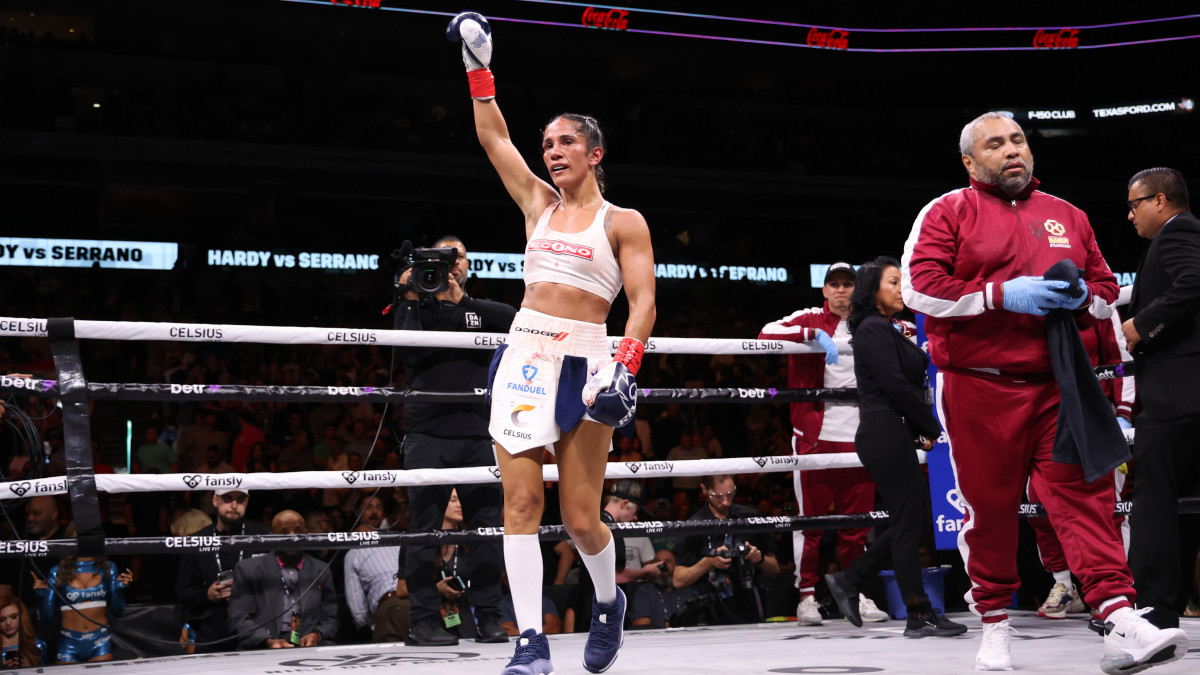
{"x":1167,"y":456}
{"x":884,"y":443}
{"x":482,"y":507}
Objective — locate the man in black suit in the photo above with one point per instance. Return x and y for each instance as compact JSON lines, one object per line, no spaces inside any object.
{"x":205,"y":581}
{"x":1164,"y":337}
{"x":283,"y":600}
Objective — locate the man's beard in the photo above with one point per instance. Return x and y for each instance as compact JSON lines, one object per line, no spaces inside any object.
{"x":291,"y":558}
{"x":234,"y":524}
{"x":1011,"y":185}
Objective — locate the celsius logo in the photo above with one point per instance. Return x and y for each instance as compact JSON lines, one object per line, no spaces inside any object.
{"x":529,"y":372}
{"x":516,"y":420}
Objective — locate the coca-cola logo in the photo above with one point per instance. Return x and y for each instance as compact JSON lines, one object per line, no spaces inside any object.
{"x":828,"y":39}
{"x":1066,"y":38}
{"x":612,"y":19}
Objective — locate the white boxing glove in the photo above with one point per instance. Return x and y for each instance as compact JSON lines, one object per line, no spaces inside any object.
{"x":473,"y":31}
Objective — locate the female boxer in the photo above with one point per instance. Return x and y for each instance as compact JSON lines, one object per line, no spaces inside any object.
{"x":555,"y":385}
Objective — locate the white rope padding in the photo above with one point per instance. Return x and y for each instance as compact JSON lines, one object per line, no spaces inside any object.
{"x":295,"y":335}
{"x":113,"y":483}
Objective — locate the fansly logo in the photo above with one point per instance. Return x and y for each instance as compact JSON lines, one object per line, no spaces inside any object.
{"x":197,"y":543}
{"x":37,"y":547}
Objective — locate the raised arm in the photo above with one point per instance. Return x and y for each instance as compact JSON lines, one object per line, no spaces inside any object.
{"x":530,"y":193}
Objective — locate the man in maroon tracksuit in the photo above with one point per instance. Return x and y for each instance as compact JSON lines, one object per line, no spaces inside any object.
{"x":818,"y":428}
{"x":972,"y":264}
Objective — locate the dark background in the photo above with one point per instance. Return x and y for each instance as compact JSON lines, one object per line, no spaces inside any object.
{"x":260,"y":124}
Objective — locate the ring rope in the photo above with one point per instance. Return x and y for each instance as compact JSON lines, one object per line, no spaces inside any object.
{"x":293,"y":335}
{"x":114,"y":483}
{"x":161,"y":391}
{"x":346,"y":540}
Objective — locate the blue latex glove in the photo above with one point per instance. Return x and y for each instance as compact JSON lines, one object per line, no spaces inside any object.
{"x":1124,"y":423}
{"x":826,"y":342}
{"x":1075,"y":303}
{"x":1035,"y":295}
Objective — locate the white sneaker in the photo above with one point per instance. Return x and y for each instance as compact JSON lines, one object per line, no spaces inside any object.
{"x":1062,"y":601}
{"x":869,"y":612}
{"x":808,"y":612}
{"x":993,"y":653}
{"x":1133,"y":644}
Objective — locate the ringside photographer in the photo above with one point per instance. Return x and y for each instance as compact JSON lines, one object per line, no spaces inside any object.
{"x":430,"y":296}
{"x":727,"y":568}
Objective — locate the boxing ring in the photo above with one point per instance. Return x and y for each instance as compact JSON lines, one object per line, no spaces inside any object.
{"x":835,"y":647}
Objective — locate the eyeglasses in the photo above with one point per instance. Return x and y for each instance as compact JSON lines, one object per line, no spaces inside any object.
{"x":239,"y":498}
{"x":1132,"y":203}
{"x":722,"y":496}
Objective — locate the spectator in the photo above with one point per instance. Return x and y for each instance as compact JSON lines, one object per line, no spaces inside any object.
{"x":300,"y":612}
{"x":375,"y":592}
{"x":195,"y":440}
{"x":204,"y":584}
{"x":687,"y":449}
{"x":214,"y":462}
{"x":154,"y":456}
{"x":819,"y":428}
{"x":249,"y":433}
{"x":656,"y":603}
{"x":727,"y":569}
{"x":20,"y":646}
{"x":189,"y":521}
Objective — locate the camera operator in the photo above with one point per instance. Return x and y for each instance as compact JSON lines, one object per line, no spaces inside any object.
{"x":727,"y":567}
{"x":445,"y":435}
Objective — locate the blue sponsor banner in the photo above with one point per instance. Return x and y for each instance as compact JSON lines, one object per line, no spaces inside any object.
{"x":943,"y":493}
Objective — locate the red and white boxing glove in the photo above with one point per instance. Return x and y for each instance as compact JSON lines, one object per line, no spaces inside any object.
{"x":473,"y":31}
{"x":629,"y":354}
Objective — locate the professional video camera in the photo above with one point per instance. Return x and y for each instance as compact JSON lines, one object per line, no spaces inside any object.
{"x":430,"y":268}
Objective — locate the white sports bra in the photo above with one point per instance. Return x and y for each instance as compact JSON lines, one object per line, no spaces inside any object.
{"x":584,"y":259}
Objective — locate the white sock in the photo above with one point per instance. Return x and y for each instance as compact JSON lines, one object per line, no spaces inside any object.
{"x":1063,"y":577}
{"x":603,"y":568}
{"x":523,"y":562}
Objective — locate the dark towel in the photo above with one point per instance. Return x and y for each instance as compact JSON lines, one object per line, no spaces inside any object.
{"x":1088,"y":432}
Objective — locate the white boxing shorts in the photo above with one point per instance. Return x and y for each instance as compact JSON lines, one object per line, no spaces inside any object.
{"x":538,"y":376}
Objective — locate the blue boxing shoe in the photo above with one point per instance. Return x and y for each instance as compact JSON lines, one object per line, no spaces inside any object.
{"x":606,"y":635}
{"x":532,"y":656}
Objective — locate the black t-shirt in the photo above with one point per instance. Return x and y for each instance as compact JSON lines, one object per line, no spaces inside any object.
{"x":693,"y":548}
{"x":449,"y":369}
